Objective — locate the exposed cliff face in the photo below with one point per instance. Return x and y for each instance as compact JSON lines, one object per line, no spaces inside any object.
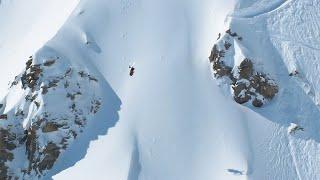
{"x":54,"y":101}
{"x":247,"y":84}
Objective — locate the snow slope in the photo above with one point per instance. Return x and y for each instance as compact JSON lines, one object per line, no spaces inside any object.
{"x":176,"y":120}
{"x":25,"y":27}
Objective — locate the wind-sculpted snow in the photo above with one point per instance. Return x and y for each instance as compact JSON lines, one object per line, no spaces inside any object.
{"x":54,"y":100}
{"x":284,"y":42}
{"x":294,"y":31}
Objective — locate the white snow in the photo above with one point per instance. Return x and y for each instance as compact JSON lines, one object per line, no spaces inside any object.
{"x":171,"y":119}
{"x":25,"y":27}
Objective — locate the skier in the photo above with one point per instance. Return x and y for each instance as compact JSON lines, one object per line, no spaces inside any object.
{"x":132,"y":70}
{"x":293,"y":128}
{"x":235,"y":172}
{"x":295,"y":72}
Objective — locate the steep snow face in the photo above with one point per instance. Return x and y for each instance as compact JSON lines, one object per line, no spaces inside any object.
{"x":294,"y":31}
{"x":25,"y":27}
{"x":175,"y":122}
{"x":281,"y":38}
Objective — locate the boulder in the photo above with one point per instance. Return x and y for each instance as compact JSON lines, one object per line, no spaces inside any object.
{"x":246,"y":69}
{"x":257,"y":103}
{"x":49,"y":63}
{"x":50,"y":127}
{"x":241,"y":94}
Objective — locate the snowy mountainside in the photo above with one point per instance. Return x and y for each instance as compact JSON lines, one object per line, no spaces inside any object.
{"x":25,"y":27}
{"x":248,"y":112}
{"x":266,"y":35}
{"x":48,"y":105}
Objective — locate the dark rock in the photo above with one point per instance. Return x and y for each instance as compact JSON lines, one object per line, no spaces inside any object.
{"x":19,"y":113}
{"x":73,"y":96}
{"x":7,"y":144}
{"x":240,"y":91}
{"x":50,"y":127}
{"x":68,"y":72}
{"x":73,"y":107}
{"x":66,"y":84}
{"x":79,"y":122}
{"x":7,"y":140}
{"x":231,"y":34}
{"x":91,"y":78}
{"x":220,"y":69}
{"x":30,"y":77}
{"x":95,"y":106}
{"x":219,"y":36}
{"x":53,"y":83}
{"x":24,"y":80}
{"x":83,"y":74}
{"x":257,"y":84}
{"x":51,"y":154}
{"x":15,"y":82}
{"x":37,"y":104}
{"x":257,"y":103}
{"x":265,"y":86}
{"x":31,"y":145}
{"x":294,"y":73}
{"x":44,"y":89}
{"x":227,"y":45}
{"x":216,"y":54}
{"x":4,"y":116}
{"x":31,"y":98}
{"x":246,"y":69}
{"x":28,"y":63}
{"x":49,"y":63}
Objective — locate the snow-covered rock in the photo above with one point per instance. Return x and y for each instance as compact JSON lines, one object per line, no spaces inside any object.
{"x":247,"y":84}
{"x":54,"y":99}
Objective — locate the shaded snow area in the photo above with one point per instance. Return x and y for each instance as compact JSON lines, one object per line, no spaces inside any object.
{"x":160,"y":90}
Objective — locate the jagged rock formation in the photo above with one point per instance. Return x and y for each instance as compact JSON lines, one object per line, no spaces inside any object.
{"x":247,"y":84}
{"x":56,"y":100}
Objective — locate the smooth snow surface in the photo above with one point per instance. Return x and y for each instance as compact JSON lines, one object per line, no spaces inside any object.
{"x":173,"y":122}
{"x":25,"y":27}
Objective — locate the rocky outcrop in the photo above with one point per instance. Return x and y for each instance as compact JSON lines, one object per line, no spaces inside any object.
{"x":58,"y":100}
{"x":247,"y":84}
{"x":7,"y":145}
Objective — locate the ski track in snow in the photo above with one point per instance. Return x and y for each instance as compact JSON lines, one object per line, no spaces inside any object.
{"x":293,"y":155}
